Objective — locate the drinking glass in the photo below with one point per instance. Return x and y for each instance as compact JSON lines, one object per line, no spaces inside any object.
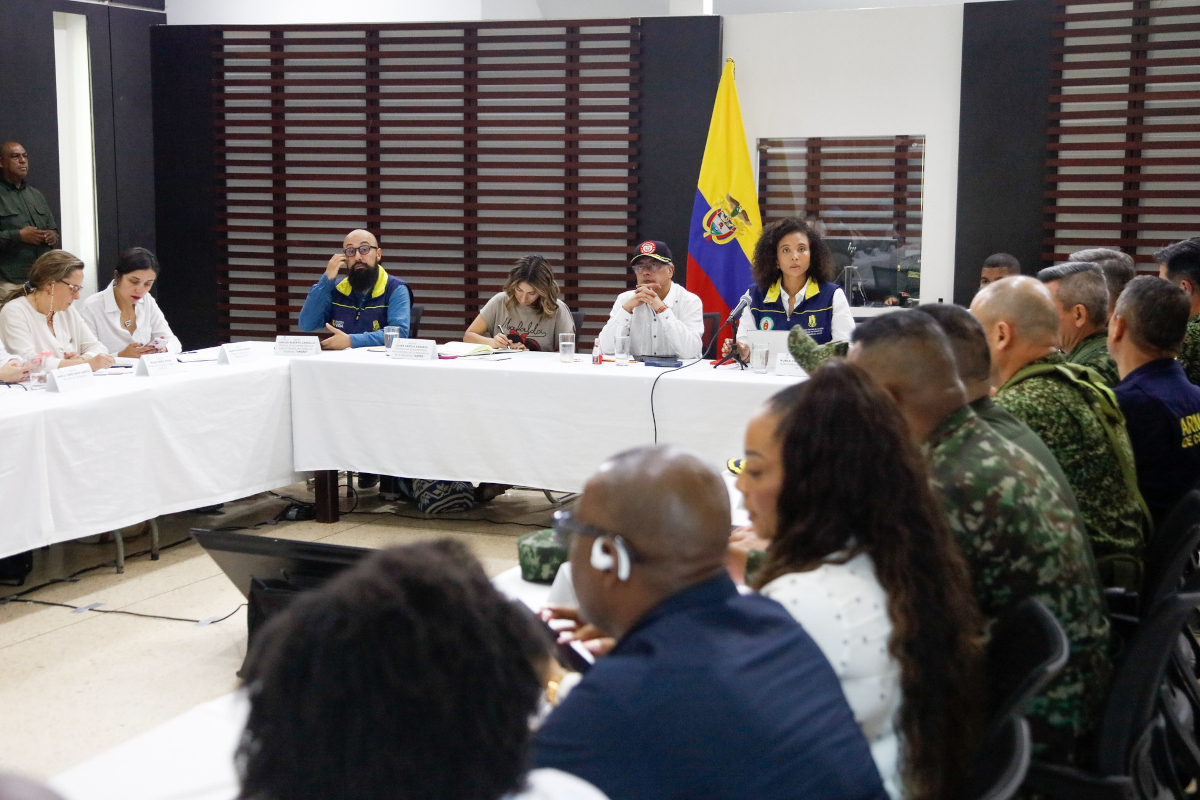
{"x":37,"y":372}
{"x":758,"y":356}
{"x":389,"y":335}
{"x":622,"y":351}
{"x":566,"y":347}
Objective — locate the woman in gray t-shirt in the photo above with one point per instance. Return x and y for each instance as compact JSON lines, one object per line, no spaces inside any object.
{"x":527,"y":315}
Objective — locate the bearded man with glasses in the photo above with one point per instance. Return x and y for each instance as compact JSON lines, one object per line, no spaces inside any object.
{"x":357,"y":308}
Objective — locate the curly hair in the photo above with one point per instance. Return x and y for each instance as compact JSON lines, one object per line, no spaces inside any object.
{"x":406,"y":676}
{"x":871,"y":495}
{"x":537,"y":272}
{"x":765,"y":267}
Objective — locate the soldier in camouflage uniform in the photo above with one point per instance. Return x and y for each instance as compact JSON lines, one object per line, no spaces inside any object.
{"x":1081,"y":300}
{"x":1078,"y":420}
{"x":1015,"y":527}
{"x":809,"y":354}
{"x":1180,"y":264}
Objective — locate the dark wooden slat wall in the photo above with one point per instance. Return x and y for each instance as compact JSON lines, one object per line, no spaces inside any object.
{"x":462,"y":146}
{"x":862,"y":187}
{"x":1123,"y":155}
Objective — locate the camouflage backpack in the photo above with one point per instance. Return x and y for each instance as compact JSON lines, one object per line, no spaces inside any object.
{"x":1104,"y":403}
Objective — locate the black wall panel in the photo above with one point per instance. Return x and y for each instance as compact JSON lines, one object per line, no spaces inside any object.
{"x":681,"y":69}
{"x":120,"y":87}
{"x":182,"y":66}
{"x":1002,"y":136}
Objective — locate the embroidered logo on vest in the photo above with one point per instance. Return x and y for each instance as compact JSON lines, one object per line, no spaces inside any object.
{"x":812,"y":320}
{"x":766,"y":324}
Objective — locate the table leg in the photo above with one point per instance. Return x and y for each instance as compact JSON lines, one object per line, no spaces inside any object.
{"x":325,"y":483}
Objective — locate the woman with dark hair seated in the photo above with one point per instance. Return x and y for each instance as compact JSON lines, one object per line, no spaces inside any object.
{"x":861,"y":556}
{"x":526,"y":314}
{"x":793,"y":273}
{"x":125,"y":316}
{"x":408,"y":675}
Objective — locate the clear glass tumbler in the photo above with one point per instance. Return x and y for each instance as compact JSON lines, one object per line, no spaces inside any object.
{"x":622,"y":352}
{"x":389,"y":335}
{"x":566,"y":347}
{"x":758,"y":356}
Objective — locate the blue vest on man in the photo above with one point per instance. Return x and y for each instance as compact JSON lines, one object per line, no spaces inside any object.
{"x":371,"y":313}
{"x":813,"y":312}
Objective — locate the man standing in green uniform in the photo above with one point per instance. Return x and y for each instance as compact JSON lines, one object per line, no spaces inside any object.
{"x":1081,"y":297}
{"x":27,"y":226}
{"x":1077,"y":418}
{"x":1014,"y":525}
{"x":1180,"y":264}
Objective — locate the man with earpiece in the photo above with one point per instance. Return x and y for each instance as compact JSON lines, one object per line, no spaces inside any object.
{"x":707,"y":693}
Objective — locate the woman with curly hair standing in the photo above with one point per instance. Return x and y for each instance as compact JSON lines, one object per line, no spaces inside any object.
{"x":793,"y":273}
{"x":861,"y":555}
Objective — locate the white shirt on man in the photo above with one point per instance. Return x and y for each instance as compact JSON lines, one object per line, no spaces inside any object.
{"x":24,"y":331}
{"x":103,"y":316}
{"x":845,"y":611}
{"x":841,"y":326}
{"x":676,"y":331}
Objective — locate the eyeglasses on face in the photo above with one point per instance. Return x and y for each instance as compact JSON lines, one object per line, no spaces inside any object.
{"x":362,"y":248}
{"x":74,"y":289}
{"x":646,"y":268}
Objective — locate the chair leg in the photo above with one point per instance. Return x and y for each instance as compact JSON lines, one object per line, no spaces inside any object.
{"x":154,"y":539}
{"x":120,"y":552}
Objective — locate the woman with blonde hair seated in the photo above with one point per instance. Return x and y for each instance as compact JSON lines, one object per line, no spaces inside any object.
{"x":38,"y":316}
{"x":527,"y":314}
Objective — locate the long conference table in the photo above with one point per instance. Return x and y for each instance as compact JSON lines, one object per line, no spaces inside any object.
{"x":132,"y":448}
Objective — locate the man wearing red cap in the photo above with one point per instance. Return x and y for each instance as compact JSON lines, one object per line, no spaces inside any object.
{"x":661,"y":317}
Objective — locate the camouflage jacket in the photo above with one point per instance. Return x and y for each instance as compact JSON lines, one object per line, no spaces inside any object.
{"x":1021,"y":539}
{"x":1111,"y":508}
{"x":1189,"y":354}
{"x":1093,"y":352}
{"x":809,"y":354}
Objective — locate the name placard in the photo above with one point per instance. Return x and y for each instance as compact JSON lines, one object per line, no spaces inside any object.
{"x":420,"y":349}
{"x":236,"y":353}
{"x":154,"y":364}
{"x":297,"y":345}
{"x":786,"y":365}
{"x":70,"y":379}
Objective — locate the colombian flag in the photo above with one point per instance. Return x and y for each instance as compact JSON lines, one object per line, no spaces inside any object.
{"x":725,"y":218}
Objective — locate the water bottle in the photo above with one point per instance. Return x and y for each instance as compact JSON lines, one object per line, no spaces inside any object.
{"x":597,"y":354}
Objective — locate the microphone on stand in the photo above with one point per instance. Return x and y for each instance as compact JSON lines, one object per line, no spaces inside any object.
{"x":734,"y":355}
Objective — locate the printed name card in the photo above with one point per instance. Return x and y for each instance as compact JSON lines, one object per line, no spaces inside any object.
{"x":155,"y":364}
{"x":786,"y":365}
{"x":70,"y":379}
{"x":297,"y":345}
{"x":236,"y":353}
{"x":421,"y":349}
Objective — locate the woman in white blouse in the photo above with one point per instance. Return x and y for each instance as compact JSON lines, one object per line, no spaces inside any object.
{"x":861,"y":555}
{"x":125,"y":316}
{"x":39,"y":316}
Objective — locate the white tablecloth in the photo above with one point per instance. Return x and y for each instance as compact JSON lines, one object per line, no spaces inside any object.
{"x":132,"y":448}
{"x":525,"y":419}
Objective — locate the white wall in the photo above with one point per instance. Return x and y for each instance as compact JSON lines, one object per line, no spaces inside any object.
{"x":862,"y":73}
{"x":76,"y":145}
{"x":299,"y":12}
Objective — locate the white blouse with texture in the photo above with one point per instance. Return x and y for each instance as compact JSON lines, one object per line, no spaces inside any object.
{"x":103,"y":316}
{"x":25,"y":333}
{"x":844,"y":609}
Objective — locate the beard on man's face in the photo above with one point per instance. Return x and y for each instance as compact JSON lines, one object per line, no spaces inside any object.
{"x":362,"y":277}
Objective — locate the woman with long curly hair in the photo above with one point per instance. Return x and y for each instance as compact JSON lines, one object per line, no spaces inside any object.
{"x":793,"y":273}
{"x":861,"y":556}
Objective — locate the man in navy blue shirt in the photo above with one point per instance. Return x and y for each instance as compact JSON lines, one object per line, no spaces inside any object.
{"x":707,"y":693}
{"x":1161,"y":406}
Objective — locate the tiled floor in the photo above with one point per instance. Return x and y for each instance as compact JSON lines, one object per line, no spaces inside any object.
{"x":72,"y":685}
